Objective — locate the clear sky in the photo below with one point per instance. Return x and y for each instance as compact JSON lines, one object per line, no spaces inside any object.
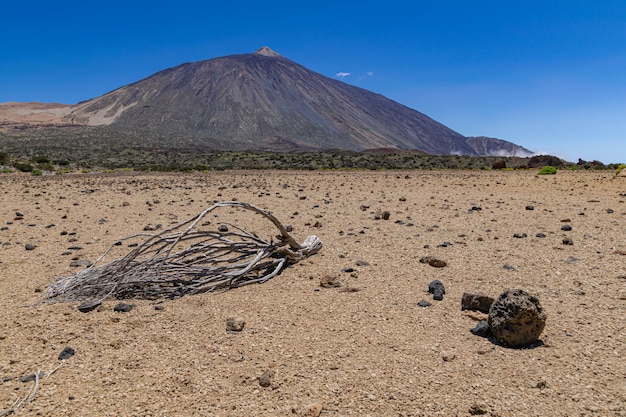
{"x":547,"y":75}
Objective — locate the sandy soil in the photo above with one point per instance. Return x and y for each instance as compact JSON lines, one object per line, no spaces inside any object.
{"x":372,"y":352}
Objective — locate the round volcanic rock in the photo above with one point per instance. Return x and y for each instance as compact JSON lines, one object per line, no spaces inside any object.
{"x":516,"y":318}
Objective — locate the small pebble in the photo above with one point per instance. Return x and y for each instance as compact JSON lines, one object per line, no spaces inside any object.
{"x":265,"y":380}
{"x":235,"y":324}
{"x":123,"y":307}
{"x":424,"y":304}
{"x":437,"y":289}
{"x":66,"y":353}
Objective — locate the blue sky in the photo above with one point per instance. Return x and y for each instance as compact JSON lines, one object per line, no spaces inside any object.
{"x":548,"y":75}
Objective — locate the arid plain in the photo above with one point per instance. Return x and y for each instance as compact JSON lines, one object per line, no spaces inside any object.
{"x":366,"y":351}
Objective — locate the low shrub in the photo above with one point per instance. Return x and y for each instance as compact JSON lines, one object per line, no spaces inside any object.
{"x":547,"y":170}
{"x":24,"y":167}
{"x":619,"y":169}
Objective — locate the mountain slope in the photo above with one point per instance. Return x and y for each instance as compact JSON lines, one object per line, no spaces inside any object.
{"x":265,"y":101}
{"x":485,"y":146}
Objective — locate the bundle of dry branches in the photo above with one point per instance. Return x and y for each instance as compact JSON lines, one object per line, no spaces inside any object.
{"x":186,"y":259}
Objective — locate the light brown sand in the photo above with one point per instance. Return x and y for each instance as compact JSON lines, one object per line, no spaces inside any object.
{"x":372,"y":352}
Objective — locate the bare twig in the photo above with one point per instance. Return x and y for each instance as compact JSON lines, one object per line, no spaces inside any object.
{"x":161,"y":267}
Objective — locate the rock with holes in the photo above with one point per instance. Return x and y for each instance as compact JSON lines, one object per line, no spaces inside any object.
{"x":516,"y":318}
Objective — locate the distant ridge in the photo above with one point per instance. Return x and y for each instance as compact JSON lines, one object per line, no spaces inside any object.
{"x":264,"y":101}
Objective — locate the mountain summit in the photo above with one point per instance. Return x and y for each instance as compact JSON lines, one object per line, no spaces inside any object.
{"x":264,"y":101}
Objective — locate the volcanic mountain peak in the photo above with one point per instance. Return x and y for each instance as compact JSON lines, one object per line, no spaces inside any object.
{"x":267,"y":51}
{"x":261,"y":101}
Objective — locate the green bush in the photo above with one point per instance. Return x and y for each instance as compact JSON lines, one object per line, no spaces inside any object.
{"x":46,"y":166}
{"x":37,"y":172}
{"x":619,"y":169}
{"x":24,"y":167}
{"x":42,"y":159}
{"x":547,"y":170}
{"x":4,"y":157}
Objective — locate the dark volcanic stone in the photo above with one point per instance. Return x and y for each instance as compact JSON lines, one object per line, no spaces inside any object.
{"x":566,"y":227}
{"x":530,"y":207}
{"x":481,"y":329}
{"x":540,"y":235}
{"x":437,"y":289}
{"x":123,"y":307}
{"x":222,"y":228}
{"x":476,"y":302}
{"x":568,"y":241}
{"x":66,"y":353}
{"x":88,"y":306}
{"x":386,"y":215}
{"x":424,"y":303}
{"x":29,"y":246}
{"x":516,"y":318}
{"x":520,"y":235}
{"x":265,"y":380}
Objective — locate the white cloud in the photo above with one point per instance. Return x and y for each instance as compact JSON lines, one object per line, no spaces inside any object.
{"x":370,"y":73}
{"x":342,"y":74}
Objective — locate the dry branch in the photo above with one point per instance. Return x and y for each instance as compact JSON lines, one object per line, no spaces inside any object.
{"x":186,"y":259}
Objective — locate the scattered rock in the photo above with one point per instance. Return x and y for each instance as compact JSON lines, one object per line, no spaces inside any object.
{"x":222,"y":228}
{"x":516,"y":318}
{"x":32,"y":377}
{"x":481,"y":329}
{"x":265,"y":380}
{"x":362,"y":263}
{"x":520,"y":235}
{"x":382,"y":215}
{"x":88,"y":306}
{"x":610,"y":211}
{"x":79,"y":263}
{"x":235,"y":324}
{"x":479,"y":409}
{"x":448,"y":356}
{"x":508,"y":267}
{"x":424,"y":304}
{"x":328,"y":281}
{"x":566,"y":220}
{"x":437,"y":289}
{"x":434,"y":262}
{"x":568,"y":241}
{"x":348,"y":270}
{"x":30,"y":246}
{"x":566,"y":227}
{"x":530,"y":207}
{"x":123,"y":307}
{"x":444,"y":245}
{"x":476,"y":302}
{"x":476,"y":208}
{"x":349,"y":289}
{"x":540,"y":235}
{"x":313,"y":409}
{"x":66,"y":353}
